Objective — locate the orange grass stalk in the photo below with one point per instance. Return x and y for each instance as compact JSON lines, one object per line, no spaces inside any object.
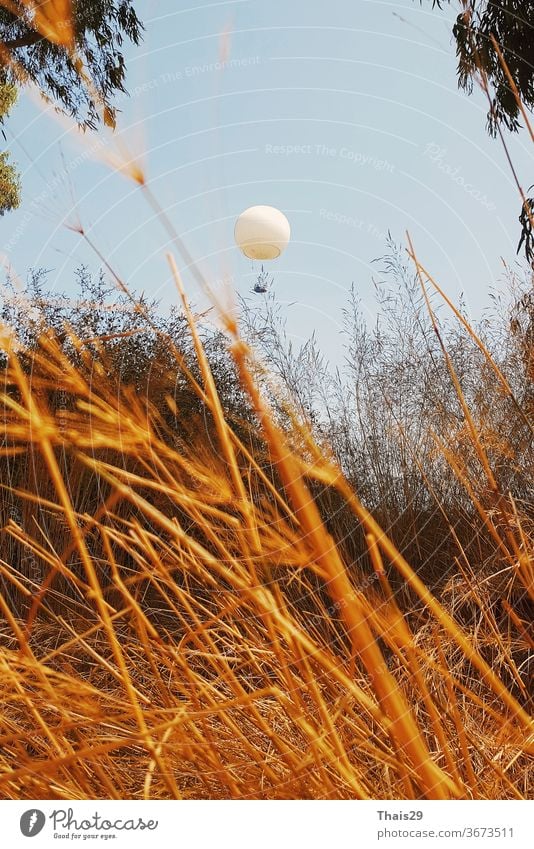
{"x":407,"y":736}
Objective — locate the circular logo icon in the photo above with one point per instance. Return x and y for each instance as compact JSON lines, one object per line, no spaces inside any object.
{"x":32,"y":822}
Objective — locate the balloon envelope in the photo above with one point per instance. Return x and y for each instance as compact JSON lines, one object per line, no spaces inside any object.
{"x":262,"y":232}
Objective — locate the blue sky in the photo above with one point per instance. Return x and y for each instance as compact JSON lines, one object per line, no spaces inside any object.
{"x":346,"y":115}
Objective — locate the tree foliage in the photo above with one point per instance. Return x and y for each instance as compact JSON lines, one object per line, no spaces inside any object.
{"x":9,"y":177}
{"x":511,"y":24}
{"x":99,"y":28}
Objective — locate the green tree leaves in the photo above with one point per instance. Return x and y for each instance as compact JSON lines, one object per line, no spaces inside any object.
{"x":9,"y":176}
{"x":511,"y":24}
{"x":100,"y":27}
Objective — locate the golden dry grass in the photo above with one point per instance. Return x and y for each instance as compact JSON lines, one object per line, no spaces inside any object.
{"x":200,"y":635}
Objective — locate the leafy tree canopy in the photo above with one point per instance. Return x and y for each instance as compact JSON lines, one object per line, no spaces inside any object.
{"x":9,"y":178}
{"x":49,"y":51}
{"x":511,"y":23}
{"x":480,"y":26}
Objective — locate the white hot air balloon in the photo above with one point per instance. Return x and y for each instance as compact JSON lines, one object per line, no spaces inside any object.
{"x":262,"y":232}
